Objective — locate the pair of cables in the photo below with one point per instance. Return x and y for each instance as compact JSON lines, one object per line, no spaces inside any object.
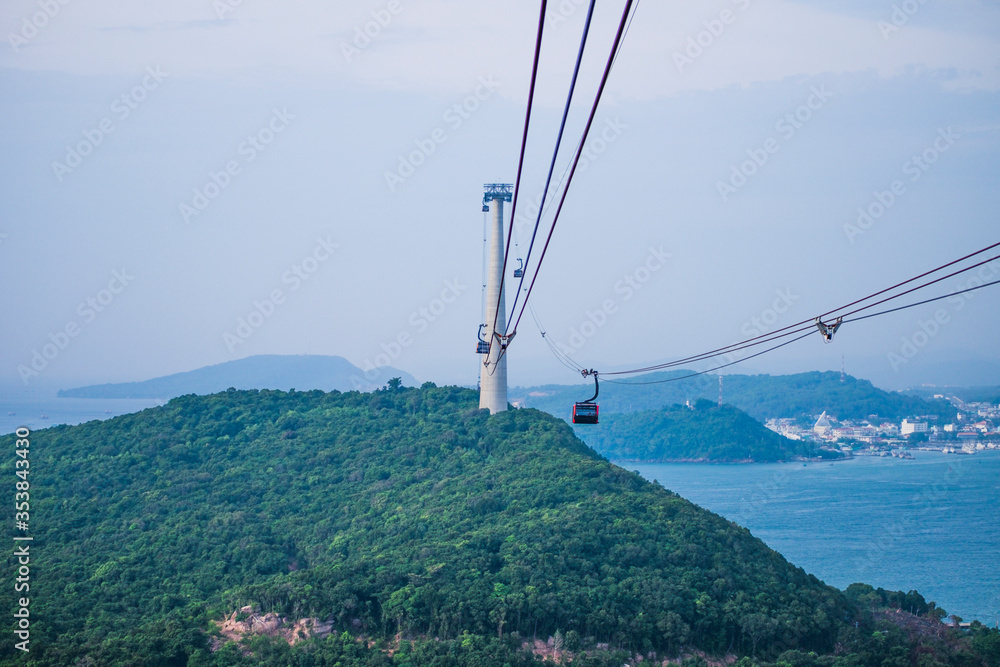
{"x":826,"y":323}
{"x":623,"y":26}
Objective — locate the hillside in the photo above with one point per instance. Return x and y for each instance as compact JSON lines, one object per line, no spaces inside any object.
{"x":268,"y":371}
{"x":803,"y":395}
{"x":707,"y":432}
{"x":406,"y":511}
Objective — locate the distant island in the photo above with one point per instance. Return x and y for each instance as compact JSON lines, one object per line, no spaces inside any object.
{"x":269,"y":371}
{"x":703,"y":432}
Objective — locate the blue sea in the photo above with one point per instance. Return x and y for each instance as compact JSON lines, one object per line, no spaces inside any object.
{"x":931,"y":524}
{"x":40,"y":409}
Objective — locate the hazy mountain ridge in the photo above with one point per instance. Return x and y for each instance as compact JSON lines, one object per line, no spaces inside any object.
{"x":986,"y":394}
{"x":271,"y":371}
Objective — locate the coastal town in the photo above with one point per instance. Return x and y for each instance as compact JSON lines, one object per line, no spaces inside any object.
{"x":975,"y":427}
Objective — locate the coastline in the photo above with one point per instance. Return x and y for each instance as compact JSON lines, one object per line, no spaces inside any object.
{"x":706,"y":461}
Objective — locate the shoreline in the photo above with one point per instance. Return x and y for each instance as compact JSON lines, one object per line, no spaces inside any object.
{"x":724,"y":461}
{"x":863,"y":454}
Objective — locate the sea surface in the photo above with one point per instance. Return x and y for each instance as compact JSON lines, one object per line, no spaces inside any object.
{"x":931,"y":524}
{"x":39,"y":409}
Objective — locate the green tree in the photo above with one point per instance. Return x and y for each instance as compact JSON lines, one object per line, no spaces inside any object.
{"x":986,"y":643}
{"x":758,"y":626}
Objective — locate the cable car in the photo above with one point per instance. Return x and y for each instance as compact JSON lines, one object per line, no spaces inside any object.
{"x":519,"y":271}
{"x":486,"y":208}
{"x":482,"y":347}
{"x":585,"y":412}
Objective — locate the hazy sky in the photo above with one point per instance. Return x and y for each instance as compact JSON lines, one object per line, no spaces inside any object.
{"x":170,"y":169}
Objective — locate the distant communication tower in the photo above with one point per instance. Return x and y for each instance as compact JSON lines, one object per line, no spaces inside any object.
{"x":493,"y":372}
{"x":720,"y":391}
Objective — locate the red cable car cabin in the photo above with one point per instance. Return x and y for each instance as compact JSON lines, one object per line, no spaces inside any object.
{"x":585,"y":412}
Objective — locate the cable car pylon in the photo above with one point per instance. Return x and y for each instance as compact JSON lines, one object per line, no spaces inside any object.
{"x":493,"y":370}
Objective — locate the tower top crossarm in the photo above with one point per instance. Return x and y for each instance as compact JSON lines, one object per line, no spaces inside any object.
{"x":501,"y":191}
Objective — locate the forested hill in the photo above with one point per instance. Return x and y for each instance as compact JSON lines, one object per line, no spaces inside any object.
{"x":761,"y":396}
{"x":400,"y":513}
{"x":704,"y":432}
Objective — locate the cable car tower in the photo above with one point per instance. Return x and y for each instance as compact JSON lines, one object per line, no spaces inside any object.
{"x":493,"y":371}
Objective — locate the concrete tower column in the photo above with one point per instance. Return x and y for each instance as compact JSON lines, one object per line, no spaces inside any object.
{"x":493,"y":373}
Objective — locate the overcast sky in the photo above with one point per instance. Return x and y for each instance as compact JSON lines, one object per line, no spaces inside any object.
{"x":170,"y":169}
